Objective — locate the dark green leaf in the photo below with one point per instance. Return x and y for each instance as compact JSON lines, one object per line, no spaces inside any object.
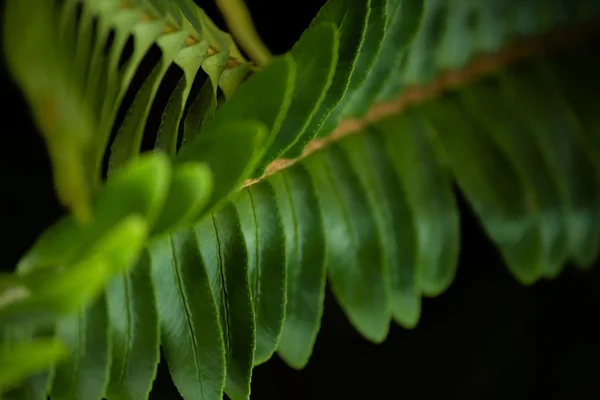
{"x":521,"y":147}
{"x":242,"y":141}
{"x":191,"y":188}
{"x":494,"y":189}
{"x":429,"y":195}
{"x":402,"y":23}
{"x":265,"y":241}
{"x":317,"y":51}
{"x":127,"y":143}
{"x":351,"y":22}
{"x":223,"y":250}
{"x":260,"y":103}
{"x":557,"y":132}
{"x":354,"y":252}
{"x":191,"y":335}
{"x":305,"y":264}
{"x":134,"y":333}
{"x":367,"y":154}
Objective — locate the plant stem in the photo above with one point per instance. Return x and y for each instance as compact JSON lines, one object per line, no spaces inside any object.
{"x":238,"y":20}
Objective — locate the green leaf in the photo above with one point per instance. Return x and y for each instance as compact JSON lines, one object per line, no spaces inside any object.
{"x":519,"y":144}
{"x":139,"y":188}
{"x":351,"y":22}
{"x":317,"y":51}
{"x":387,"y":200}
{"x":431,"y":200}
{"x":242,"y":140}
{"x":369,"y":50}
{"x":557,"y":133}
{"x":128,"y":141}
{"x":419,"y":66}
{"x":458,"y":41}
{"x":20,"y":360}
{"x":574,"y":81}
{"x":191,"y":188}
{"x":354,"y":252}
{"x":44,"y":294}
{"x":201,"y":110}
{"x":304,"y":261}
{"x":84,"y":374}
{"x":168,"y":131}
{"x":144,"y":33}
{"x":494,"y":189}
{"x":265,"y":243}
{"x":402,"y":23}
{"x":191,"y":335}
{"x":232,"y":78}
{"x":41,"y":65}
{"x":134,"y":332}
{"x":275,"y":85}
{"x":223,"y":251}
{"x":189,"y":59}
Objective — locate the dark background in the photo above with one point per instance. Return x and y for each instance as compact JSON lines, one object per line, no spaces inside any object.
{"x":487,"y":337}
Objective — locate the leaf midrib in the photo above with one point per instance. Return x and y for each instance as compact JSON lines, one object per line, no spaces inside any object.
{"x":478,"y":68}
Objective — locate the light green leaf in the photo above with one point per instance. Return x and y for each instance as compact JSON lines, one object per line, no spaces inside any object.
{"x":139,"y":188}
{"x":233,"y":77}
{"x":20,"y":360}
{"x":45,"y":294}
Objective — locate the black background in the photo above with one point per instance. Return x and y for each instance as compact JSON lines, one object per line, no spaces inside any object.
{"x":487,"y":337}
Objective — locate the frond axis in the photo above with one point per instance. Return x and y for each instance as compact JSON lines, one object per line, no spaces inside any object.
{"x":481,"y":66}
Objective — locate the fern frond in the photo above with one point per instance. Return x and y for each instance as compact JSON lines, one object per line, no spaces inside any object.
{"x":75,"y":68}
{"x":228,"y":276}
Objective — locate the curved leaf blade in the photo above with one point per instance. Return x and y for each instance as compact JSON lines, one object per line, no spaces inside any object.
{"x":304,"y":261}
{"x":261,"y":225}
{"x":430,"y":197}
{"x":317,"y":52}
{"x":354,"y":253}
{"x":191,"y":334}
{"x":387,"y":199}
{"x":134,"y":333}
{"x":223,"y":251}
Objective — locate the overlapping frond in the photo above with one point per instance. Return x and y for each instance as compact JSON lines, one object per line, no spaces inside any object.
{"x":227,"y":277}
{"x":75,"y":61}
